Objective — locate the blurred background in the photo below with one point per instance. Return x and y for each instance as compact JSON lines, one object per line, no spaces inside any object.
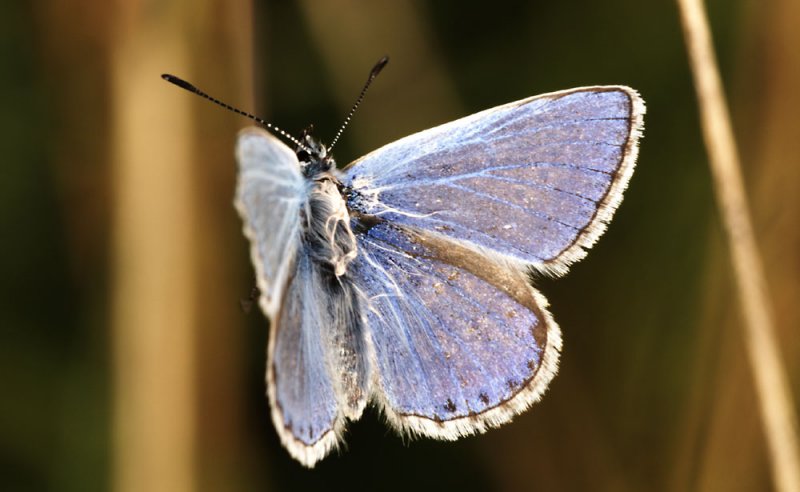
{"x":125,"y":361}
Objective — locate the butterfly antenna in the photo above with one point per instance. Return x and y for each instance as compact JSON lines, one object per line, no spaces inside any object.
{"x":372,"y":74}
{"x":189,"y":87}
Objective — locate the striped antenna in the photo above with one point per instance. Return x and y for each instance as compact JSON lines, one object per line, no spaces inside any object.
{"x":189,"y":87}
{"x":372,"y":74}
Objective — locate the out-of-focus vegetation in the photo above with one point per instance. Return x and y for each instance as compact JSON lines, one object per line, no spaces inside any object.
{"x":125,"y":362}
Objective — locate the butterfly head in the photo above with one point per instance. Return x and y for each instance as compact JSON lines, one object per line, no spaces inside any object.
{"x":313,"y":155}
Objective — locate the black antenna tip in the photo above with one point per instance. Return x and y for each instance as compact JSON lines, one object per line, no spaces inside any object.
{"x":379,"y":66}
{"x":179,"y":82}
{"x":372,"y":74}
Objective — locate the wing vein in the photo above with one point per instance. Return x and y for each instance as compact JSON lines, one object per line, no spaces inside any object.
{"x":512,"y":205}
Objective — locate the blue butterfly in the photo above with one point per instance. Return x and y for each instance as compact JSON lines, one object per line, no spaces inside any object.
{"x":404,"y":280}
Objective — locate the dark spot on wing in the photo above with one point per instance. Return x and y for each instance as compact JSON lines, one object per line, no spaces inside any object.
{"x":512,"y":384}
{"x":484,"y":398}
{"x":450,"y":406}
{"x":532,"y":365}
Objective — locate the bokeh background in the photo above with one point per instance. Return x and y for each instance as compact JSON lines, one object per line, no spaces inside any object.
{"x":125,"y":360}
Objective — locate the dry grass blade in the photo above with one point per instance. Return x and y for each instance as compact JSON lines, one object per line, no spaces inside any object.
{"x":772,"y":386}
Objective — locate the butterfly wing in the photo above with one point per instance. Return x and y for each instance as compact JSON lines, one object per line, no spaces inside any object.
{"x":316,"y":373}
{"x":459,"y":342}
{"x":269,"y":195}
{"x":451,"y":222}
{"x":535,"y":181}
{"x":301,"y":392}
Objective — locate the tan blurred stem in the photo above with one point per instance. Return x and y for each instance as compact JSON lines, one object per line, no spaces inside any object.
{"x":772,"y":387}
{"x":154,"y":295}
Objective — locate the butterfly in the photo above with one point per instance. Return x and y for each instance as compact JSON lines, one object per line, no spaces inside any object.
{"x":404,"y":280}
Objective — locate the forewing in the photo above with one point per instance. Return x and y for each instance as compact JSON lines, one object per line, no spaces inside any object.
{"x":459,"y":343}
{"x":269,"y":195}
{"x":536,"y":180}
